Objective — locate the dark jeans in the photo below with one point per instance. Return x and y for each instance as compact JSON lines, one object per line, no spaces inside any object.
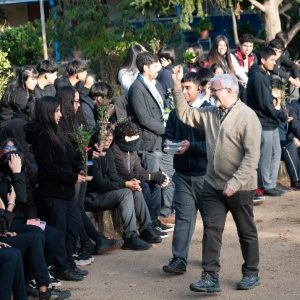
{"x":215,"y":208}
{"x":152,"y":195}
{"x":12,"y":275}
{"x":188,"y":200}
{"x":55,"y":252}
{"x":132,"y":206}
{"x":291,"y":156}
{"x":64,"y":215}
{"x":31,"y":246}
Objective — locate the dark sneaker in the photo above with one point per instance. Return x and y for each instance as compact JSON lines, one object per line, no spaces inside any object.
{"x":105,"y":245}
{"x":150,"y":236}
{"x":87,"y":248}
{"x":163,"y":235}
{"x":248,"y":283}
{"x":158,"y":225}
{"x":54,"y":282}
{"x":81,"y":272}
{"x":69,"y":275}
{"x":135,"y":243}
{"x":82,"y":259}
{"x":176,"y":266}
{"x":281,"y":189}
{"x":53,"y":294}
{"x":273,"y":192}
{"x":207,"y":284}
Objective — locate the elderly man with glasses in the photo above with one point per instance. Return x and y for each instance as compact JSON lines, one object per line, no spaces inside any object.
{"x":232,"y":133}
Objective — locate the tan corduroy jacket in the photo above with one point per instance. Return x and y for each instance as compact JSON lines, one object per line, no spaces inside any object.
{"x":233,"y":147}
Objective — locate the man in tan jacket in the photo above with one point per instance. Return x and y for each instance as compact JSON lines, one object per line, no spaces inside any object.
{"x":233,"y":134}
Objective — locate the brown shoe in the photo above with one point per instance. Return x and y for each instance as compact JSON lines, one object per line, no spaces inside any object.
{"x":169,"y":220}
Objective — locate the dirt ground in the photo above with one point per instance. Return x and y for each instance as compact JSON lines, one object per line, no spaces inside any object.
{"x":138,"y":275}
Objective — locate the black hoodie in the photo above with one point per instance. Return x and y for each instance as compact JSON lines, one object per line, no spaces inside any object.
{"x":260,"y":99}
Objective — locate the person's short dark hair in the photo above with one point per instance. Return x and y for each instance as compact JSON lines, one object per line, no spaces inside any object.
{"x":246,"y":38}
{"x":276,"y":83}
{"x":46,"y":66}
{"x":216,"y":66}
{"x":167,"y":52}
{"x":101,"y":89}
{"x":76,"y":66}
{"x":126,"y":128}
{"x":145,"y":59}
{"x":282,"y":36}
{"x":191,"y":77}
{"x":265,"y":53}
{"x":205,"y":76}
{"x":276,"y":44}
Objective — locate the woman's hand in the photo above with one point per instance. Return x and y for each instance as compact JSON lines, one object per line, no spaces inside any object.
{"x":15,"y":163}
{"x":81,"y":178}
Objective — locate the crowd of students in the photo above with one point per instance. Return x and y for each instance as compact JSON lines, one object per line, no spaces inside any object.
{"x":148,"y":164}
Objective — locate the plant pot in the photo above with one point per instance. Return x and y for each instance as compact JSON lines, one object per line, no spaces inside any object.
{"x":204,"y":34}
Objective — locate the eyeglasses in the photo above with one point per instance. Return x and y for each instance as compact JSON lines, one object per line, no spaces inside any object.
{"x":215,"y":90}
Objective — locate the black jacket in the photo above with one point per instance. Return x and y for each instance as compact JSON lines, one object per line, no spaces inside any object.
{"x":194,"y":161}
{"x":285,"y":68}
{"x":147,"y":113}
{"x":57,"y":170}
{"x":105,"y":176}
{"x":260,"y":99}
{"x":48,"y":90}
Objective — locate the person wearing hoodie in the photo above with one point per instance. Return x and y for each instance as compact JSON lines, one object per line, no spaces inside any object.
{"x":260,"y":99}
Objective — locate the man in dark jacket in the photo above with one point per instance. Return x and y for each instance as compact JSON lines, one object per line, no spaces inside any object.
{"x":108,"y":191}
{"x":190,"y":167}
{"x":260,"y":99}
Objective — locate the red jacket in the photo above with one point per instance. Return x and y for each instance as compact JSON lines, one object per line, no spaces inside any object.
{"x":240,"y":58}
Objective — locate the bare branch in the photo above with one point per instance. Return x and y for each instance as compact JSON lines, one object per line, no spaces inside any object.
{"x":258,"y":5}
{"x":285,"y":7}
{"x":293,"y":31}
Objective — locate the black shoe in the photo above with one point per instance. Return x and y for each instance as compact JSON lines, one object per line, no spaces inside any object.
{"x":163,"y":235}
{"x":52,"y":294}
{"x":87,"y":248}
{"x":248,"y":283}
{"x":281,"y":189}
{"x":135,"y":243}
{"x":31,"y":291}
{"x":69,"y":275}
{"x":207,"y":284}
{"x":80,"y":272}
{"x":273,"y":192}
{"x":295,"y":185}
{"x":105,"y":245}
{"x":150,"y":236}
{"x":176,"y":266}
{"x":162,"y":227}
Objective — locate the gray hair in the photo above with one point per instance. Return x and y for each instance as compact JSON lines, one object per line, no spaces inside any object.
{"x":227,"y":81}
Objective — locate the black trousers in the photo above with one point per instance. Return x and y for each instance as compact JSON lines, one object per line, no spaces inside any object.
{"x":65,"y":216}
{"x":31,"y":246}
{"x":215,"y":209}
{"x":291,"y":154}
{"x":12,"y":274}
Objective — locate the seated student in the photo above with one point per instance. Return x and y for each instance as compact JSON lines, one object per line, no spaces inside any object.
{"x":217,"y":69}
{"x":47,"y":75}
{"x":190,"y":163}
{"x":31,"y":246}
{"x":108,"y":191}
{"x":125,"y":147}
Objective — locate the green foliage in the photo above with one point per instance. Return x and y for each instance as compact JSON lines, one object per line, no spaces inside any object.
{"x":5,"y":72}
{"x":204,"y":24}
{"x":188,"y":57}
{"x":80,"y":26}
{"x":82,"y":137}
{"x":23,"y":43}
{"x":103,"y":117}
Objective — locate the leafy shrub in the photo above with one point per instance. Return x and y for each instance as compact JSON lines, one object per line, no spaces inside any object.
{"x":5,"y":72}
{"x":23,"y":44}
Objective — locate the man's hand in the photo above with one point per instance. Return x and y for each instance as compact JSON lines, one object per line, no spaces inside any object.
{"x":184,"y":146}
{"x":228,"y":190}
{"x":133,"y":185}
{"x":177,"y":76}
{"x":89,"y":81}
{"x":81,"y":178}
{"x":15,"y":163}
{"x":296,"y":142}
{"x":9,"y":234}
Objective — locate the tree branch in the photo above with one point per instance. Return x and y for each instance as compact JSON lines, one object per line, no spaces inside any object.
{"x":285,"y":7}
{"x":258,"y":5}
{"x":293,"y":31}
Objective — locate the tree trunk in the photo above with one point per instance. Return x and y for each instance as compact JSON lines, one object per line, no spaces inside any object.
{"x":271,"y":18}
{"x":234,"y":26}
